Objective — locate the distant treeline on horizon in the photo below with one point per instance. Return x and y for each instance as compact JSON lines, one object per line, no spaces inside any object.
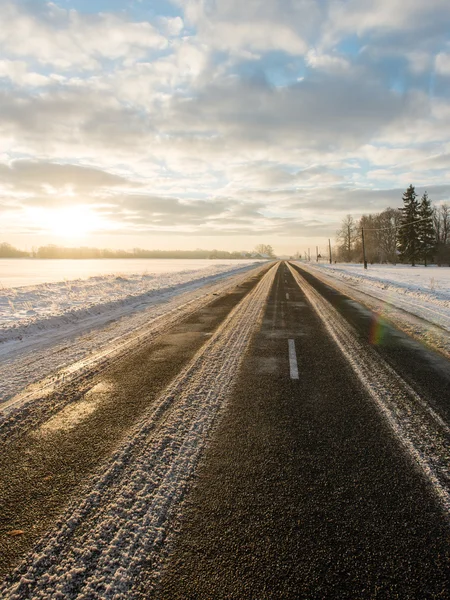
{"x":52,"y":251}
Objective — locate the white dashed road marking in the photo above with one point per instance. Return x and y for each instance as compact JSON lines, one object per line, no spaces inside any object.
{"x":293,"y":360}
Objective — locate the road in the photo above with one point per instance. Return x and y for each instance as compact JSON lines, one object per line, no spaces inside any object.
{"x":266,"y":446}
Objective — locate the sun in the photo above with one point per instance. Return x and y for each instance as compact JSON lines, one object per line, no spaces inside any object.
{"x":73,"y":221}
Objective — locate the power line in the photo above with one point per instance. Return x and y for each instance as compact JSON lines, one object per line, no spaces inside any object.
{"x":398,"y":226}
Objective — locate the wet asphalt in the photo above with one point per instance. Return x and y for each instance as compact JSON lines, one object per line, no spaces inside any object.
{"x":304,"y":491}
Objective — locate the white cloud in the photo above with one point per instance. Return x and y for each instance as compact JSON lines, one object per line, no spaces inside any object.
{"x":67,"y":39}
{"x":387,"y":156}
{"x":259,"y":36}
{"x":201,"y":136}
{"x":254,"y":25}
{"x":18,"y":72}
{"x":419,"y":61}
{"x":171,"y":26}
{"x":443,"y":64}
{"x":35,"y":175}
{"x":383,"y":16}
{"x":328,"y":63}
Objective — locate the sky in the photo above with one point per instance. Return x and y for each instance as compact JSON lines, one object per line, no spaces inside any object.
{"x":217,"y":123}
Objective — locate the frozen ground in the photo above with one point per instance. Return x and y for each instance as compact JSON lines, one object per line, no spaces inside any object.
{"x":18,"y":272}
{"x":55,"y":330}
{"x":417,"y":299}
{"x":418,"y":281}
{"x":25,"y":310}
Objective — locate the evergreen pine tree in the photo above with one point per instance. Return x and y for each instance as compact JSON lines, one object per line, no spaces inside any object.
{"x":427,"y":236}
{"x":408,"y":233}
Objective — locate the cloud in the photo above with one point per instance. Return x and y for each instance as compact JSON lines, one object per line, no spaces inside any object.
{"x":73,"y":119}
{"x":171,"y":26}
{"x":146,"y":211}
{"x":253,"y":26}
{"x":443,"y":64}
{"x":328,"y":63}
{"x":383,"y":17}
{"x":17,"y":71}
{"x":231,"y":117}
{"x":300,"y":114}
{"x":278,"y":177}
{"x":33,"y":175}
{"x":67,"y":39}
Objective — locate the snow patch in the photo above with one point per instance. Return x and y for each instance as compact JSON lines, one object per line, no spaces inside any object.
{"x":28,"y":310}
{"x":397,"y":291}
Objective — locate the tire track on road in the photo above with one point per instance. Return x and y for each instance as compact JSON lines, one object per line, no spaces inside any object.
{"x":419,"y":429}
{"x":39,"y":401}
{"x":97,"y":549}
{"x":427,"y":329}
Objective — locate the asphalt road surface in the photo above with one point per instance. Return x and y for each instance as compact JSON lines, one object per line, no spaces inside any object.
{"x":281,"y":442}
{"x":305,"y":492}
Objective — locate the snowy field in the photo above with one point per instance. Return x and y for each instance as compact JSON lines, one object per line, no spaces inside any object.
{"x":57,"y":330}
{"x":15,"y":272}
{"x":416,"y":299}
{"x":428,"y":281}
{"x":60,"y":299}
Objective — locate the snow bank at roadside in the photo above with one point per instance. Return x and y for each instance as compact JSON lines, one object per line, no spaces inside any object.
{"x":421,"y":291}
{"x":430,"y":282}
{"x":31,"y":309}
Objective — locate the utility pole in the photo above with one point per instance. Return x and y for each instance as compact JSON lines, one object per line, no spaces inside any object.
{"x":317,"y":253}
{"x":329,"y":247}
{"x":363,"y":248}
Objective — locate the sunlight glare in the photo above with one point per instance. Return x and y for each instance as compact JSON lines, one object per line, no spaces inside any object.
{"x":73,"y":222}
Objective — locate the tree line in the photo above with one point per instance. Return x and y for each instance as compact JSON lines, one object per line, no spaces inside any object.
{"x":415,"y":233}
{"x":54,"y":251}
{"x":8,"y":251}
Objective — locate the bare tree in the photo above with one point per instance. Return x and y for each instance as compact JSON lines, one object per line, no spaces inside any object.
{"x":388,"y":222}
{"x":441,"y":220}
{"x":369,"y":224}
{"x":444,"y":211}
{"x":265,"y":249}
{"x":437,"y":224}
{"x":346,"y":237}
